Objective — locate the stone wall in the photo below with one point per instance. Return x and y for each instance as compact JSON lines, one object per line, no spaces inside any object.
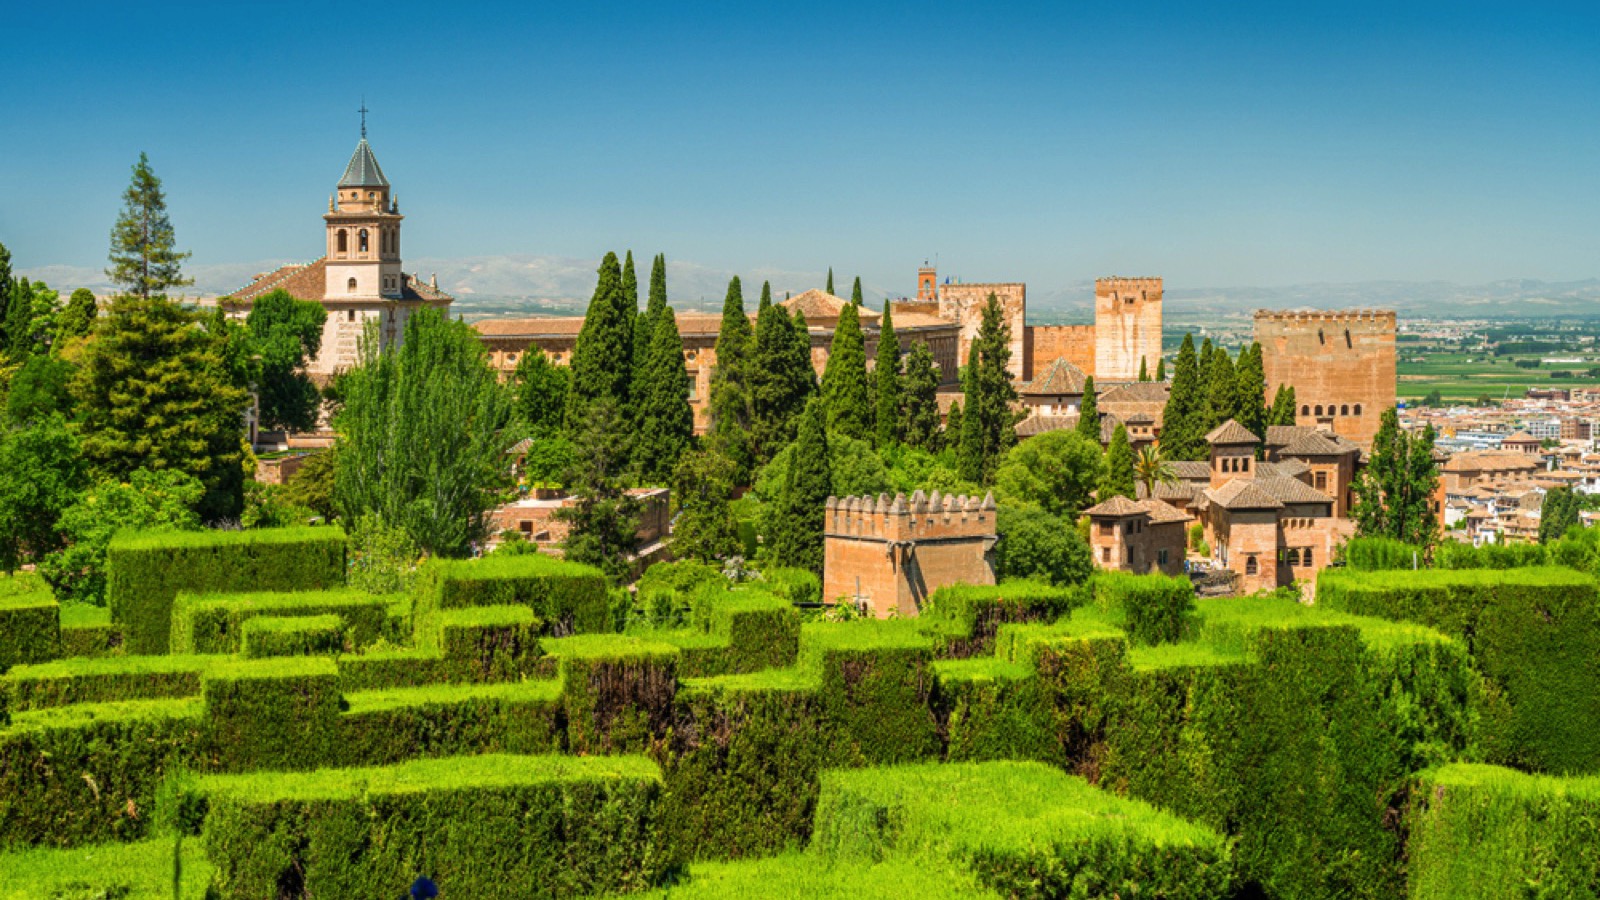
{"x":1127,"y":322}
{"x":891,"y":554}
{"x":1340,"y":363}
{"x":964,"y":303}
{"x":1048,"y":343}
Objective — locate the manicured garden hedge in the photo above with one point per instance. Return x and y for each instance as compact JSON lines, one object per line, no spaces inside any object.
{"x":1153,"y":609}
{"x":213,"y":623}
{"x":88,"y":631}
{"x":145,"y":571}
{"x":735,"y":632}
{"x":1531,"y":632}
{"x":811,"y":876}
{"x":486,"y":827}
{"x":30,"y":628}
{"x":617,"y":690}
{"x":991,"y":708}
{"x":965,"y":617}
{"x":567,"y":597}
{"x":1483,"y":833}
{"x":390,"y":726}
{"x":1025,"y":830}
{"x":267,"y":636}
{"x":279,"y":714}
{"x":144,"y":870}
{"x":103,"y":680}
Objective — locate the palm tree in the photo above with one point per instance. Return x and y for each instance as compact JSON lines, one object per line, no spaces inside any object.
{"x":1150,"y":468}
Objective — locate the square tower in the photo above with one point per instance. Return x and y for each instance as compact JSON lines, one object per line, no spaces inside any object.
{"x":1127,"y":327}
{"x":1341,"y":365}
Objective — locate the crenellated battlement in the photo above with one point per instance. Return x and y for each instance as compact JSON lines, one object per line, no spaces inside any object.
{"x":1380,"y":317}
{"x":919,"y":517}
{"x":1117,"y":285}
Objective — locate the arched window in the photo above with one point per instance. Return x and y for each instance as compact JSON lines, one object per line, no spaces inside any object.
{"x":1250,"y":565}
{"x":1305,"y":410}
{"x":1344,"y":409}
{"x":1294,"y":557}
{"x":362,"y":240}
{"x":1319,"y":409}
{"x":344,"y":241}
{"x":1358,"y":409}
{"x":1307,"y":557}
{"x":351,"y":287}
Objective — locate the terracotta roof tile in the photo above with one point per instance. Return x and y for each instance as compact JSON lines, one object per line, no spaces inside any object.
{"x":1116,"y":507}
{"x":1231,"y":432}
{"x":1062,"y":377}
{"x":1242,"y":493}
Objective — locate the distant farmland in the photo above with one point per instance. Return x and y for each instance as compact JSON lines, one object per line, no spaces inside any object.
{"x":1463,"y":377}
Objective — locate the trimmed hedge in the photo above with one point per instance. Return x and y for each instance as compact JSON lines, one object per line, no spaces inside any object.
{"x":486,"y":827}
{"x":1153,"y":609}
{"x":737,"y":632}
{"x":267,"y":636}
{"x":273,"y":714}
{"x":1487,"y":832}
{"x":808,"y":876}
{"x":90,"y":772}
{"x":90,"y":680}
{"x":1531,"y":632}
{"x":136,"y":871}
{"x":793,"y":584}
{"x":990,"y":708}
{"x":1023,"y":829}
{"x":145,"y":571}
{"x":390,"y":726}
{"x":490,"y":643}
{"x":30,"y":628}
{"x":214,"y":623}
{"x":875,"y":684}
{"x":617,"y":691}
{"x":567,"y":597}
{"x":965,"y":617}
{"x":88,"y":631}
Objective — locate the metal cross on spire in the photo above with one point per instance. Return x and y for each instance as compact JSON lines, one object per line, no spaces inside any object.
{"x":363,"y":111}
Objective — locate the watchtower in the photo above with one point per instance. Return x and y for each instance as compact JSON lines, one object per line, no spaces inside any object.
{"x":891,"y":554}
{"x":1341,"y":364}
{"x":1127,"y":326}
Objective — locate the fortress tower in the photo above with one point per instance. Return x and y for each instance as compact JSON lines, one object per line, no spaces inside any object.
{"x":1127,"y":326}
{"x":891,"y":554}
{"x":964,"y":304}
{"x":1341,"y":365}
{"x":927,"y":283}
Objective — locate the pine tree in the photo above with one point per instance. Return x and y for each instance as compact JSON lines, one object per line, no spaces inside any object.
{"x":780,"y":382}
{"x":830,"y":280}
{"x":766,"y":300}
{"x":920,"y":403}
{"x":1206,"y":352}
{"x":1144,"y":371}
{"x":705,"y":528}
{"x":1282,"y":411}
{"x":1395,"y":495}
{"x":793,"y":529}
{"x":730,"y":385}
{"x":19,"y":321}
{"x":144,"y":258}
{"x":665,"y":429}
{"x":1161,"y":369}
{"x":77,"y":320}
{"x":1558,"y":514}
{"x":1119,"y":476}
{"x":644,"y":328}
{"x":1182,"y":436}
{"x":602,"y":358}
{"x":855,"y":292}
{"x":1089,"y":412}
{"x":603,"y":518}
{"x":1250,"y":391}
{"x":988,"y":428}
{"x":844,"y":380}
{"x":1221,"y":390}
{"x":886,"y":380}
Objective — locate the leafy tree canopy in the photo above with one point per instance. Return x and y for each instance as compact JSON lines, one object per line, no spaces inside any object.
{"x":1056,"y":471}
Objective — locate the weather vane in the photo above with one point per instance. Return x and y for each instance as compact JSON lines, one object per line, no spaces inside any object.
{"x":363,"y":111}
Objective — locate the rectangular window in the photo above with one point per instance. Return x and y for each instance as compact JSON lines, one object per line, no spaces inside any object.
{"x":1322,"y":481}
{"x":1161,"y":557}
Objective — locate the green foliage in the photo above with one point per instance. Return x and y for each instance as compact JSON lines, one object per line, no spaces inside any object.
{"x":602,"y":358}
{"x":1370,"y":554}
{"x":1056,"y":471}
{"x":567,"y":597}
{"x":644,"y":324}
{"x":806,"y":876}
{"x":284,"y":333}
{"x":146,"y":570}
{"x":705,"y":528}
{"x":886,"y":382}
{"x":312,"y":485}
{"x":77,"y":319}
{"x":1161,"y":369}
{"x":279,"y":714}
{"x":603,"y":519}
{"x":156,"y":391}
{"x":920,"y":400}
{"x":793,"y":530}
{"x":144,"y":256}
{"x":1527,"y":630}
{"x":1250,"y":390}
{"x":1558,"y":514}
{"x":138,"y":871}
{"x":967,"y":617}
{"x":214,"y":623}
{"x":41,"y":476}
{"x":1088,"y":425}
{"x":1481,"y":832}
{"x":1035,"y":544}
{"x":793,"y":584}
{"x":665,"y":421}
{"x":1024,"y":829}
{"x":730,"y":384}
{"x":1283,"y":406}
{"x":40,"y":389}
{"x":539,"y":395}
{"x":29,"y":630}
{"x":854,"y":468}
{"x":855,"y":292}
{"x":422,"y":436}
{"x":1155,"y":609}
{"x":1183,"y":428}
{"x":147,"y":501}
{"x":68,"y":681}
{"x":781,"y":378}
{"x":1118,"y":477}
{"x":617,"y":691}
{"x":1395,"y":494}
{"x":267,"y":637}
{"x":988,"y":424}
{"x":1221,"y":389}
{"x":1458,"y":555}
{"x":845,"y":392}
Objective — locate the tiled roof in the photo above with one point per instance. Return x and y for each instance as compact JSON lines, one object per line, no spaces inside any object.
{"x":1040,"y":424}
{"x":1291,"y":490}
{"x":309,"y":281}
{"x":1116,"y":507}
{"x":363,"y":169}
{"x":1191,"y":469}
{"x":535,"y":327}
{"x":1288,"y":468}
{"x":1062,"y":377}
{"x":1137,"y":392}
{"x":1491,"y":461}
{"x":1176,"y":490}
{"x":1242,"y":493}
{"x":1162,"y":513}
{"x":1231,"y":432}
{"x":1314,"y":444}
{"x":1521,"y":437}
{"x":817,"y":304}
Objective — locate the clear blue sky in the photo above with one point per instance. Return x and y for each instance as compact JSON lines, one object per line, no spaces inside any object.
{"x":1212,"y":143}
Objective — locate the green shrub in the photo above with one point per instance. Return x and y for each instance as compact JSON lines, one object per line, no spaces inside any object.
{"x":736,"y":632}
{"x":807,"y":876}
{"x":492,"y":643}
{"x":991,"y":708}
{"x":1487,"y":832}
{"x":1154,"y":609}
{"x":213,"y":623}
{"x":793,"y":584}
{"x":1458,"y":555}
{"x":390,"y":726}
{"x":89,"y":680}
{"x":1023,"y":829}
{"x":1531,"y":632}
{"x":264,"y":637}
{"x":87,"y":630}
{"x":967,"y":616}
{"x":30,"y":628}
{"x":1371,"y":554}
{"x":567,"y":597}
{"x":617,"y":690}
{"x":145,"y":571}
{"x":90,"y":772}
{"x":517,"y":826}
{"x":273,"y":713}
{"x":874,"y":683}
{"x":136,"y":871}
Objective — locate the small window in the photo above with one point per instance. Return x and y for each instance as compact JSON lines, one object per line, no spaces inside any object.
{"x":1344,"y":409}
{"x":1306,"y":558}
{"x":1321,"y":338}
{"x":1347,"y":342}
{"x":1250,"y":565}
{"x":351,"y":287}
{"x":1358,"y":409}
{"x":370,"y":195}
{"x":1105,"y":554}
{"x":350,"y":314}
{"x":344,"y":241}
{"x":1322,"y":481}
{"x":1305,"y":410}
{"x":1294,"y":557}
{"x":526,"y":528}
{"x":363,"y":240}
{"x":1319,"y":409}
{"x":1161,"y":557}
{"x":1130,"y":556}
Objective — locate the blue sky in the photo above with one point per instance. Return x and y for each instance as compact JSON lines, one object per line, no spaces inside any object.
{"x":1214,"y":144}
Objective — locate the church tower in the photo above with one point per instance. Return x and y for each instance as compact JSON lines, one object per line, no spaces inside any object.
{"x":363,"y":224}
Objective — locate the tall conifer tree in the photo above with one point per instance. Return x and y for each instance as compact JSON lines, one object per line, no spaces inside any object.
{"x":794,"y":526}
{"x":1144,"y":370}
{"x":855,"y":292}
{"x":1118,"y":480}
{"x":644,"y":329}
{"x":144,"y":255}
{"x":766,"y":300}
{"x":5,"y":294}
{"x":1161,"y":369}
{"x":886,"y":378}
{"x":730,"y":385}
{"x":920,"y":426}
{"x":988,"y":427}
{"x":1283,"y":403}
{"x":844,"y":380}
{"x":705,"y":528}
{"x":1395,"y":495}
{"x":954,"y":423}
{"x":1250,"y":393}
{"x":602,"y":359}
{"x":830,"y":280}
{"x":1222,"y":390}
{"x":1089,"y":412}
{"x":1182,"y":436}
{"x":665,"y":420}
{"x":780,"y":381}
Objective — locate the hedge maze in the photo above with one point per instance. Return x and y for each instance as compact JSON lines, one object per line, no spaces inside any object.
{"x":242,"y":725}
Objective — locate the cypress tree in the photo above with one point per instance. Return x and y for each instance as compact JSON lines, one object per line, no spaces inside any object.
{"x":602,"y":359}
{"x":953,"y":424}
{"x":5,"y":294}
{"x":1144,"y":371}
{"x":1250,"y":391}
{"x":705,"y":528}
{"x":538,"y":395}
{"x":644,"y":328}
{"x":1181,"y":434}
{"x":844,"y":380}
{"x":1394,"y":496}
{"x":1161,"y":369}
{"x":144,"y":255}
{"x":730,"y":385}
{"x":1206,"y":351}
{"x":1089,"y":412}
{"x":780,"y":381}
{"x":766,"y":300}
{"x":1558,"y":514}
{"x":19,"y":321}
{"x":1118,"y":480}
{"x":1222,"y":390}
{"x":630,"y":285}
{"x":1283,"y":406}
{"x":603,"y":518}
{"x":886,"y":378}
{"x":794,"y":527}
{"x":666,"y":421}
{"x":988,"y":428}
{"x":920,"y":403}
{"x":830,"y":279}
{"x":855,"y":292}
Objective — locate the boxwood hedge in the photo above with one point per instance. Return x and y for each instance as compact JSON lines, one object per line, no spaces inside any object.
{"x":214,"y":623}
{"x":567,"y":597}
{"x":30,"y":628}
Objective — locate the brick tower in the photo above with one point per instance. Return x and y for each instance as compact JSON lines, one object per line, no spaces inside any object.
{"x":1127,"y":327}
{"x":927,"y":282}
{"x":890,"y":554}
{"x":1341,"y":365}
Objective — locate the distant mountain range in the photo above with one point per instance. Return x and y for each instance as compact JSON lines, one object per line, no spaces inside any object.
{"x":545,"y":285}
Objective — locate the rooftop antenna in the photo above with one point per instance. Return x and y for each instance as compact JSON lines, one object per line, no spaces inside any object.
{"x":363,"y":111}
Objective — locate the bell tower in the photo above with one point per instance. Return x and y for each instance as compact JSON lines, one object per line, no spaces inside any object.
{"x":363,"y":223}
